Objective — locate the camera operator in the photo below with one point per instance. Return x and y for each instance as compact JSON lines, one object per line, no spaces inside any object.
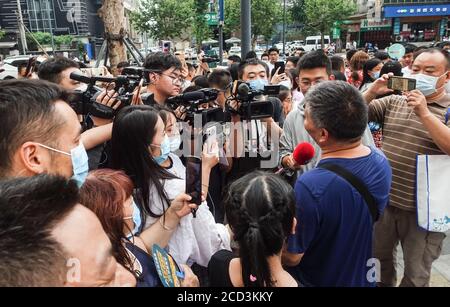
{"x":58,"y":70}
{"x":165,"y":77}
{"x":254,"y":135}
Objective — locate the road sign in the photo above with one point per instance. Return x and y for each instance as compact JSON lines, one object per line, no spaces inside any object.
{"x":396,"y":51}
{"x":212,"y":19}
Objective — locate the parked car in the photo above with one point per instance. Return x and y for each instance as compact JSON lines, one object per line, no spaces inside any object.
{"x":235,"y":51}
{"x":11,"y":64}
{"x":315,"y":42}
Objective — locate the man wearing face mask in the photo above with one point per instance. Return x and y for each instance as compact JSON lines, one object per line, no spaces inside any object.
{"x":250,"y":156}
{"x":97,"y":130}
{"x":413,"y":125}
{"x":40,"y":132}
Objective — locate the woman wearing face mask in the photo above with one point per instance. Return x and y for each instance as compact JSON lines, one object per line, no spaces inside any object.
{"x":141,"y":148}
{"x":108,"y":194}
{"x":371,"y":72}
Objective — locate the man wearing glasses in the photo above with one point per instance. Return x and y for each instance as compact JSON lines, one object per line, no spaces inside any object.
{"x":314,"y":67}
{"x":164,"y":74}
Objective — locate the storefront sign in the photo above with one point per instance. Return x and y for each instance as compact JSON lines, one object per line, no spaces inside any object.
{"x":396,"y":26}
{"x":417,"y":10}
{"x":373,"y":25}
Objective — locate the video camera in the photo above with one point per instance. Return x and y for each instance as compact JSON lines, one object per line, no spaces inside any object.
{"x":85,"y":102}
{"x":208,"y":60}
{"x":253,"y":104}
{"x":193,"y":103}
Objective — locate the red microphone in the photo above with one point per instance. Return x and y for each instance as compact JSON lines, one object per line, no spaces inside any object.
{"x":303,"y":154}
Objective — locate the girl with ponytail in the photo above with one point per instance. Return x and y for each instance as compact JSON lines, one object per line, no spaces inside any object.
{"x":260,"y":208}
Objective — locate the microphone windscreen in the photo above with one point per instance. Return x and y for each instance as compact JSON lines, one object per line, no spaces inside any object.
{"x":303,"y":153}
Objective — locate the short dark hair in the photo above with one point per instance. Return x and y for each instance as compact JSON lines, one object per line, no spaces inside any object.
{"x":339,"y":108}
{"x":393,"y":67}
{"x":264,"y":54}
{"x":220,"y":78}
{"x":235,"y":58}
{"x":27,"y":113}
{"x":410,"y":48}
{"x":337,"y":62}
{"x":201,"y":81}
{"x":251,"y":55}
{"x":350,"y":54}
{"x":382,"y":55}
{"x":123,"y":64}
{"x":250,"y":62}
{"x":293,"y":59}
{"x":160,"y":61}
{"x":315,"y":59}
{"x":51,"y":69}
{"x":434,"y":50}
{"x":273,"y":49}
{"x":30,"y":208}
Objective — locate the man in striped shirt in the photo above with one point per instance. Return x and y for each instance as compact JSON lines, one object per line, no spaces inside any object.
{"x":413,"y":124}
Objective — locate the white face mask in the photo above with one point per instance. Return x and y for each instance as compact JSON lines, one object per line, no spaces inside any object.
{"x":426,"y":84}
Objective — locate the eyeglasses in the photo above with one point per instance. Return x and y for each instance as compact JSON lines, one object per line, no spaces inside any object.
{"x":174,"y":79}
{"x":307,"y":83}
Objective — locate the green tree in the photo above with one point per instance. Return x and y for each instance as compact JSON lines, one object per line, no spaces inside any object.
{"x":163,"y":19}
{"x":321,"y":14}
{"x":297,"y":12}
{"x":2,"y":34}
{"x":63,"y":40}
{"x":201,"y":28}
{"x":265,"y":15}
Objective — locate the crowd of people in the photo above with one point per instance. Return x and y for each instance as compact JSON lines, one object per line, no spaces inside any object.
{"x":83,"y":199}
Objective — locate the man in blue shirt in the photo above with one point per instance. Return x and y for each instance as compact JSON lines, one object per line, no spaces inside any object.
{"x":333,"y":241}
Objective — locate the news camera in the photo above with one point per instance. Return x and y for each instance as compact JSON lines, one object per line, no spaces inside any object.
{"x":197,"y":103}
{"x":208,"y":60}
{"x":84,"y":103}
{"x":253,"y":104}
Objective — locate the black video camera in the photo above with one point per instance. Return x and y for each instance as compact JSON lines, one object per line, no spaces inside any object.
{"x":85,"y":102}
{"x":210,"y":60}
{"x":193,"y":101}
{"x":253,"y":104}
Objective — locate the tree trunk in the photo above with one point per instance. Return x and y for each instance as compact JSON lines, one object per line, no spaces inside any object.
{"x":112,"y":13}
{"x":322,"y":41}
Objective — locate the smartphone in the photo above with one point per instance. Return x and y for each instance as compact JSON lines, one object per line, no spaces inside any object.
{"x":401,"y":84}
{"x":194,"y":180}
{"x":280,"y":65}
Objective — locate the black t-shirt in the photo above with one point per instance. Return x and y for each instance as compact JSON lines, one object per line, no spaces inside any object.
{"x":219,"y":269}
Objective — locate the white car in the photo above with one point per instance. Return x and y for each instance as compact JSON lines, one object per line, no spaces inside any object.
{"x":315,"y":43}
{"x":235,"y":51}
{"x":11,"y":64}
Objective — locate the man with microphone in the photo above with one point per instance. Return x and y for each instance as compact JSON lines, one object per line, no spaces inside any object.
{"x":338,"y":202}
{"x":314,"y":68}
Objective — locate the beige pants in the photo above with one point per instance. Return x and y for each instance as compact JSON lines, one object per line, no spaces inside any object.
{"x":420,"y":248}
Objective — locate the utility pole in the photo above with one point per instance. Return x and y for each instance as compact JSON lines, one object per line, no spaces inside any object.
{"x":23,"y":38}
{"x":246,"y":27}
{"x":221,"y":23}
{"x":50,"y":25}
{"x":284,"y":27}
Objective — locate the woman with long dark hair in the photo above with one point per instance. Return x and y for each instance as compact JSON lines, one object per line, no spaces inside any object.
{"x":371,"y":72}
{"x":141,"y":147}
{"x":108,"y":194}
{"x":260,"y":208}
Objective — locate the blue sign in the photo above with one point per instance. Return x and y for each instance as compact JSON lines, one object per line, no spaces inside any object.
{"x":221,"y":11}
{"x":417,"y":10}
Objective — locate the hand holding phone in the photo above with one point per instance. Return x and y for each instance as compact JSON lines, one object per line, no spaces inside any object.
{"x":401,"y":84}
{"x":194,"y":180}
{"x":281,"y":66}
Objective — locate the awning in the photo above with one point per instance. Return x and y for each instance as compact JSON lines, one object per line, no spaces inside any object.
{"x":7,"y":45}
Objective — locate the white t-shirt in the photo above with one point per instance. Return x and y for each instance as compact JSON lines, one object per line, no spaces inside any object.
{"x":196,"y":239}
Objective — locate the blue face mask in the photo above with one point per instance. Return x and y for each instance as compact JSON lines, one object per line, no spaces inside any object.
{"x":165,"y":151}
{"x":426,"y":84}
{"x":80,"y":162}
{"x":136,"y":219}
{"x":258,"y":84}
{"x":175,"y":142}
{"x":376,"y":75}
